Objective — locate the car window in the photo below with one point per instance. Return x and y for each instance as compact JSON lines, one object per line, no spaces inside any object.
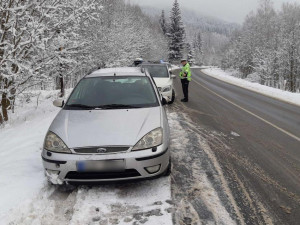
{"x":157,"y":71}
{"x":104,"y":91}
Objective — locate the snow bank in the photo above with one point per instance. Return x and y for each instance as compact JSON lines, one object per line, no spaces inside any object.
{"x":200,"y":67}
{"x":292,"y":98}
{"x":21,"y":140}
{"x":32,"y":104}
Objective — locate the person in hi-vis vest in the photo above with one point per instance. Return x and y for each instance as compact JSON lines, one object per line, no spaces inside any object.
{"x":186,"y":77}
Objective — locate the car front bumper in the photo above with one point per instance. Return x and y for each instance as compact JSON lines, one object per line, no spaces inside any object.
{"x":64,"y":166}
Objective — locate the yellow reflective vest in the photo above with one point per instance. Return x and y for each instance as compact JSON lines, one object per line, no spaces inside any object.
{"x":186,"y":69}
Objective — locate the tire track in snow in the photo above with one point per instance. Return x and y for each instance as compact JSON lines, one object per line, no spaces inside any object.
{"x":140,"y":202}
{"x":248,"y":207}
{"x":198,"y":187}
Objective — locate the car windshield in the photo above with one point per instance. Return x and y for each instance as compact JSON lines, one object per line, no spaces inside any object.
{"x":113,"y":93}
{"x":157,"y":70}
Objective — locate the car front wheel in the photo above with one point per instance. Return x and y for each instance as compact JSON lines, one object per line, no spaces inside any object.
{"x":168,"y":170}
{"x":173,"y":97}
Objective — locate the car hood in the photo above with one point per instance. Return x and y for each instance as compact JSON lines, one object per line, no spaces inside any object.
{"x":125,"y":127}
{"x":162,"y":82}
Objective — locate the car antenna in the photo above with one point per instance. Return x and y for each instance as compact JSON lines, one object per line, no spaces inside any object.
{"x":142,"y":69}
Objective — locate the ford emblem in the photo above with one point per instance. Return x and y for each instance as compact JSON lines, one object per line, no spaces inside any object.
{"x":101,"y":150}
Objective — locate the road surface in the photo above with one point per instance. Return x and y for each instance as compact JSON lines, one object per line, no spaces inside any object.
{"x":256,"y":141}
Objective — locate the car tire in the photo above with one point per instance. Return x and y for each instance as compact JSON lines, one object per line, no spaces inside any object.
{"x":173,"y":97}
{"x":168,"y":170}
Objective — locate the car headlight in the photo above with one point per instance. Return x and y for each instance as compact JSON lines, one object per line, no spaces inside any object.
{"x":166,"y":89}
{"x":152,"y":139}
{"x":54,"y":144}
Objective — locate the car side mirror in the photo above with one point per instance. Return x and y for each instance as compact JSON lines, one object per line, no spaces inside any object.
{"x":164,"y":101}
{"x":170,"y":71}
{"x":173,"y":76}
{"x":59,"y":103}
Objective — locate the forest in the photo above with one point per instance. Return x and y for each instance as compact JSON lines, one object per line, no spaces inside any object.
{"x":46,"y":45}
{"x":268,"y":46}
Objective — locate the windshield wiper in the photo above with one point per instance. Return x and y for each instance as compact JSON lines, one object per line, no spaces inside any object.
{"x":118,"y":106}
{"x":110,"y":106}
{"x":81,"y":106}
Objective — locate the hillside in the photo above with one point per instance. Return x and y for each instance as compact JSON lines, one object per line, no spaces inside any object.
{"x":214,"y":32}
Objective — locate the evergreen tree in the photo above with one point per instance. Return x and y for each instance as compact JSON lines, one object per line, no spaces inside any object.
{"x":191,"y":54}
{"x":163,"y":22}
{"x":198,"y":44}
{"x":197,"y":49}
{"x":176,"y":33}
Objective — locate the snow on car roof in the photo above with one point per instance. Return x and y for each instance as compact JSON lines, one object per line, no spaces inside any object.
{"x":121,"y":71}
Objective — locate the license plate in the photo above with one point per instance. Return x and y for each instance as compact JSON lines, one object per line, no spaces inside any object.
{"x":101,"y":166}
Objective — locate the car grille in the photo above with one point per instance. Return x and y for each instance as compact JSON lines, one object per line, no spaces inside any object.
{"x":102,"y":175}
{"x":100,"y":150}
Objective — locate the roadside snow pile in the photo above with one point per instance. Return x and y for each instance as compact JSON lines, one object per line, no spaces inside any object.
{"x":293,"y":98}
{"x":31,"y":104}
{"x":21,"y":140}
{"x":201,"y":67}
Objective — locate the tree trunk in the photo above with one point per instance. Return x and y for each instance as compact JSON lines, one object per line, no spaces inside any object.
{"x":1,"y":118}
{"x":4,"y":106}
{"x":292,"y":76}
{"x":62,"y":89}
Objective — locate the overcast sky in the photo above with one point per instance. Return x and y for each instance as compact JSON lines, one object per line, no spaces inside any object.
{"x":229,"y":10}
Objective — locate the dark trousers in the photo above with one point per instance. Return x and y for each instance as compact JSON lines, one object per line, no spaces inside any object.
{"x":185,"y":88}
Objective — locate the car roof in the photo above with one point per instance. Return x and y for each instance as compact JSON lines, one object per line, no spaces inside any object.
{"x":153,"y":64}
{"x":119,"y":71}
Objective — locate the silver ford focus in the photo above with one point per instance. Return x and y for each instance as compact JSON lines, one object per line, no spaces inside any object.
{"x":112,"y":127}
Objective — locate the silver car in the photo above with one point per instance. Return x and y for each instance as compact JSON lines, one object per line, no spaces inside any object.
{"x":112,"y":127}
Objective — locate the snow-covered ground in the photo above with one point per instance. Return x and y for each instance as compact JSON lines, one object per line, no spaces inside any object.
{"x":27,"y":198}
{"x":293,"y":98}
{"x":201,"y":67}
{"x":21,"y":170}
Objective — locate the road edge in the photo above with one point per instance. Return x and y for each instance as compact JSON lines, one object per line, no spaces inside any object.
{"x":264,"y":94}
